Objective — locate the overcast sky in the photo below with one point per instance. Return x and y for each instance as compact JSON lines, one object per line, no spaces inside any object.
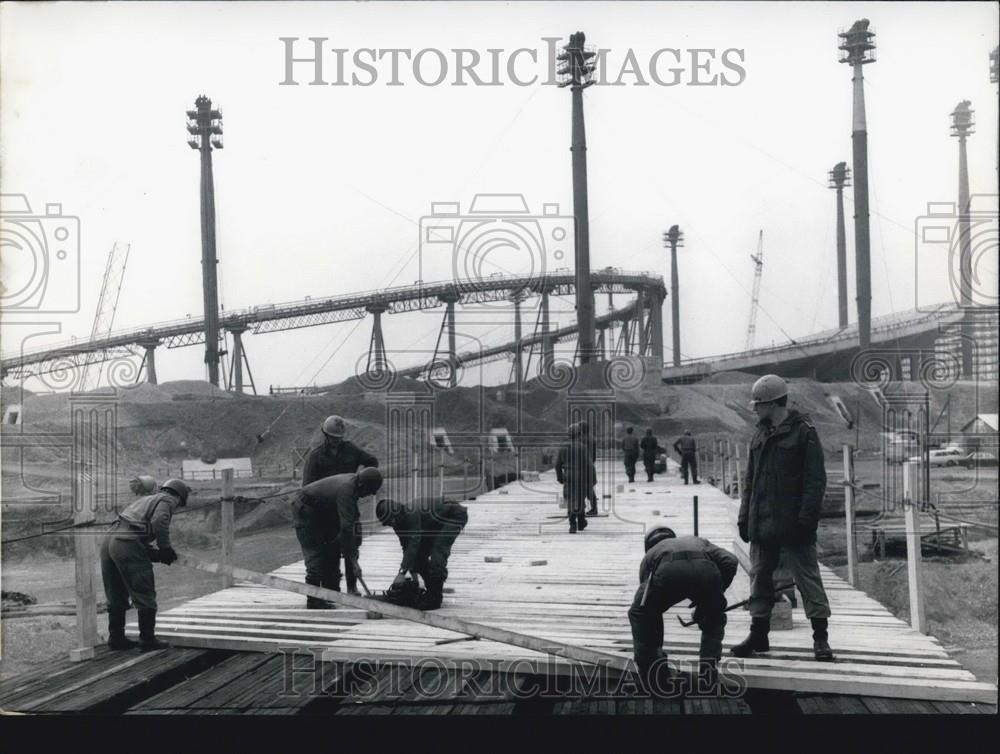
{"x":320,"y":189}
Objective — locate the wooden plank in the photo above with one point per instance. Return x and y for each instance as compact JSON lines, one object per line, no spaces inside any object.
{"x":852,"y":555}
{"x":85,"y":558}
{"x":439,"y":621}
{"x":914,"y":570}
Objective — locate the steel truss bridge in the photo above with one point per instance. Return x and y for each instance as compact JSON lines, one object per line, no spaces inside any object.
{"x":640,"y":333}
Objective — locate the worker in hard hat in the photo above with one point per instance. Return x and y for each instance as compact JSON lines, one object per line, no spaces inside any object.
{"x":427,"y":528}
{"x":649,"y":446}
{"x":337,"y":456}
{"x":686,"y":447}
{"x":142,"y":485}
{"x":675,"y":569}
{"x":127,"y":557}
{"x":328,"y":526}
{"x":779,"y":514}
{"x":576,"y":473}
{"x":588,"y":439}
{"x":630,"y":449}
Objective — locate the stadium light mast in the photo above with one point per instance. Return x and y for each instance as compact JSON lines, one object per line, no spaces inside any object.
{"x":577,"y":72}
{"x":840,"y":177}
{"x":205,"y":127}
{"x":673,"y":239}
{"x":857,"y":46}
{"x":963,"y":124}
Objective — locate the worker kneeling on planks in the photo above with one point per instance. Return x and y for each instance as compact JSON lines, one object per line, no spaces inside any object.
{"x":328,"y":526}
{"x":674,"y":569}
{"x":427,"y":528}
{"x":127,"y":558}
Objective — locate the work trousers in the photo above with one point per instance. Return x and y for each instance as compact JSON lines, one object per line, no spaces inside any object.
{"x":630,"y":461}
{"x":689,"y":462}
{"x":671,"y":582}
{"x":650,"y":463}
{"x":127,"y":572}
{"x":433,"y":554}
{"x":800,"y":560}
{"x":321,"y":550}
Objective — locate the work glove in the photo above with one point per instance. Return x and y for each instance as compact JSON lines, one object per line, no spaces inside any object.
{"x":167,"y":555}
{"x":745,"y":531}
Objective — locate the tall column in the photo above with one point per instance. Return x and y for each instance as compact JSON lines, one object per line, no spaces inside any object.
{"x":838,"y":179}
{"x":858,"y":46}
{"x":673,"y":239}
{"x":450,"y":300}
{"x":640,"y":319}
{"x":962,"y":124}
{"x":518,"y":365}
{"x":205,"y":125}
{"x":376,"y":348}
{"x":150,"y":346}
{"x":656,"y":314}
{"x":547,"y":348}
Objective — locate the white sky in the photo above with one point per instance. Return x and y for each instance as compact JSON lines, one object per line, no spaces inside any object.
{"x":320,"y":189}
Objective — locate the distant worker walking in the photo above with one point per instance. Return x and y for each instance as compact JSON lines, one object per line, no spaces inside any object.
{"x":127,"y":557}
{"x":591,"y":444}
{"x":328,"y":527}
{"x":779,"y":514}
{"x":674,"y":569}
{"x":687,"y":449}
{"x":427,"y":528}
{"x":576,"y":473}
{"x":630,"y":448}
{"x":337,"y":456}
{"x":650,"y":445}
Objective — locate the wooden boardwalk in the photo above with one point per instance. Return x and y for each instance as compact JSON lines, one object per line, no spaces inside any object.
{"x":575,"y":589}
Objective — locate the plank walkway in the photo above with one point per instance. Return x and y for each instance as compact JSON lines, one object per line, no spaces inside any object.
{"x":579,"y":596}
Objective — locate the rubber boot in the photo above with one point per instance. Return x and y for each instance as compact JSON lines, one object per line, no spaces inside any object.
{"x":572,"y":523}
{"x":821,"y":647}
{"x":431,"y":598}
{"x":315,"y":603}
{"x":116,"y":630}
{"x":147,"y":635}
{"x":756,"y":641}
{"x":581,"y":522}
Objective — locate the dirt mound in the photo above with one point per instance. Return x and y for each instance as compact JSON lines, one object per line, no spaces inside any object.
{"x":186,"y":389}
{"x":731,"y":378}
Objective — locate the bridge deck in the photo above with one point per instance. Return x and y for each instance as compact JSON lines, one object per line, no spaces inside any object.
{"x":579,"y":596}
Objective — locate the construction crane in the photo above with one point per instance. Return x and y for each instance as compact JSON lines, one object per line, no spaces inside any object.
{"x":758,"y":261}
{"x":107,"y":305}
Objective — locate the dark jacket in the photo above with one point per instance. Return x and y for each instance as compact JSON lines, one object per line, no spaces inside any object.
{"x":575,"y":469}
{"x":649,"y":446}
{"x":425,"y":518}
{"x":630,"y":446}
{"x":330,"y":505}
{"x":784,"y":484}
{"x":322,"y":461}
{"x":685,"y":445}
{"x":724,"y":560}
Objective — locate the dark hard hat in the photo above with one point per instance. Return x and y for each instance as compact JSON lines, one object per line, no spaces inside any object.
{"x":370,"y":479}
{"x":386,"y":510}
{"x":333,"y":426}
{"x":658,"y":534}
{"x":178,"y":487}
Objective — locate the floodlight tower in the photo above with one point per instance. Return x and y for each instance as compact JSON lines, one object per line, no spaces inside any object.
{"x":674,"y":238}
{"x":840,"y":177}
{"x":205,"y":127}
{"x":857,"y":46}
{"x":963,"y":124}
{"x":577,"y":72}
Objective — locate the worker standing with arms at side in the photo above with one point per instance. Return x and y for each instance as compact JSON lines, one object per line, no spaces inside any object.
{"x":337,"y":456}
{"x":575,"y":472}
{"x":127,"y":558}
{"x":328,"y":527}
{"x":427,"y":528}
{"x":779,"y":514}
{"x":630,"y":448}
{"x":591,"y":444}
{"x":687,"y":449}
{"x":674,"y":569}
{"x":649,"y":445}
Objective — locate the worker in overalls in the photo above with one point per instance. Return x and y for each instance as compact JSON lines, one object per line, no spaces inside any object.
{"x":127,"y":557}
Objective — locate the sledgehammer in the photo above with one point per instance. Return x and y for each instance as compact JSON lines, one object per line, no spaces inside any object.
{"x":777,"y":590}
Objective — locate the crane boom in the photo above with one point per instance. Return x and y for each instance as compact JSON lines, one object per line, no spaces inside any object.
{"x":758,"y":261}
{"x":107,"y":305}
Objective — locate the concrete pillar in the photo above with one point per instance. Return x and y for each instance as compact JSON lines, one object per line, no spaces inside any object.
{"x":656,"y":314}
{"x":376,"y":349}
{"x":150,"y":346}
{"x":640,"y":319}
{"x":237,"y":333}
{"x":547,"y":348}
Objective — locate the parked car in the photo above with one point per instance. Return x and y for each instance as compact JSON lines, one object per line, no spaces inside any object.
{"x":942,"y":457}
{"x":979,"y":458}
